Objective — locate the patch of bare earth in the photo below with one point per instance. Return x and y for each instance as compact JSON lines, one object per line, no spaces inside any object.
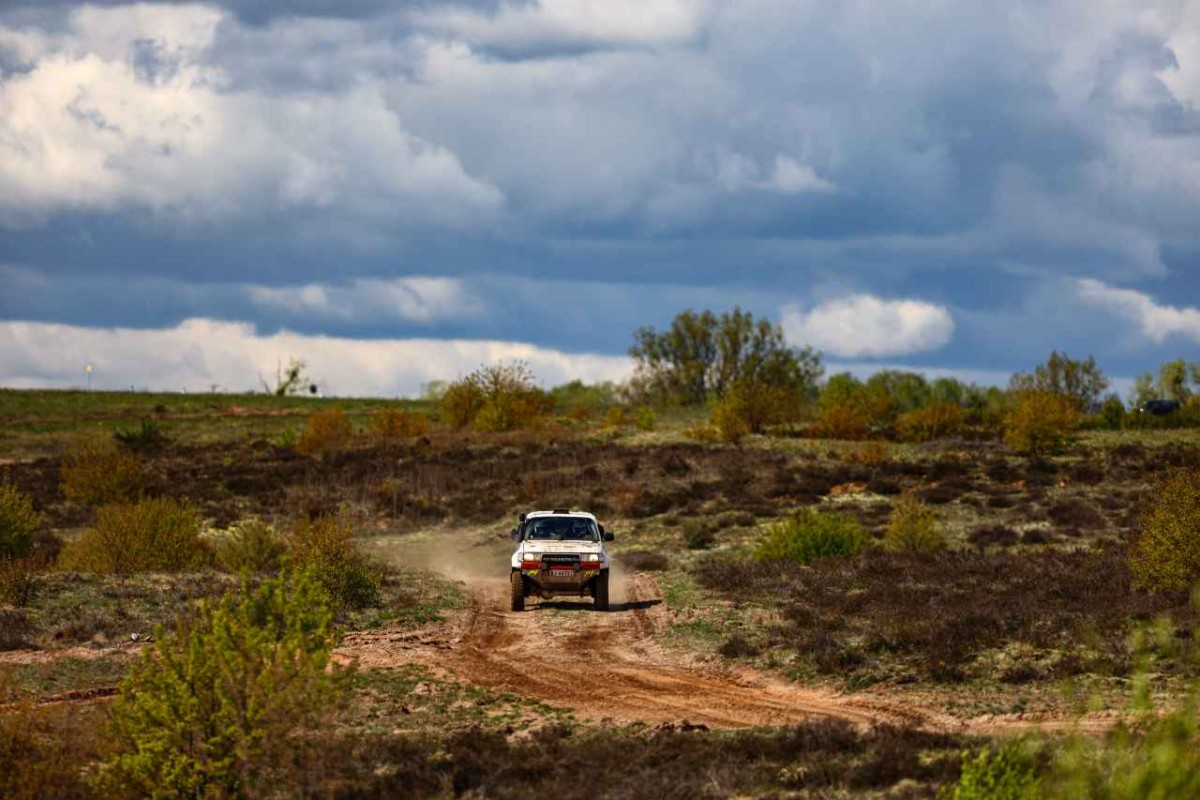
{"x":606,"y":666}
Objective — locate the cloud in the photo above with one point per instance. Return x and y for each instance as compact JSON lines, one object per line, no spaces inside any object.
{"x":528,"y":26}
{"x":126,"y":111}
{"x":200,"y":353}
{"x":413,"y":299}
{"x":866,"y":326}
{"x":1155,"y":321}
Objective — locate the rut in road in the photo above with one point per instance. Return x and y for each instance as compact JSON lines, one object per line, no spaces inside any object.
{"x":607,"y":666}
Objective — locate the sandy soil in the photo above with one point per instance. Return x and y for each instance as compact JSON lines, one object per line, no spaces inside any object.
{"x":606,"y":666}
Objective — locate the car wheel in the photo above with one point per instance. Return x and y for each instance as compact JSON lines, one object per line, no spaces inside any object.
{"x":601,"y":591}
{"x":517,"y":585}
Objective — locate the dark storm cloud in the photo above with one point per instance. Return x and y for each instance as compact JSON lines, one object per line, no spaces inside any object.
{"x":642,"y":156}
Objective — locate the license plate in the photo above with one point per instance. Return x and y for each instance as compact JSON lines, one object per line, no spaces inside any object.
{"x":561,"y":573}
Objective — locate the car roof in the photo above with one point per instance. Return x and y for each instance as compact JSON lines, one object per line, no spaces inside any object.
{"x":580,"y":514}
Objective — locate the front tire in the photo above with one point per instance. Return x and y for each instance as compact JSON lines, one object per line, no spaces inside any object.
{"x":601,"y":591}
{"x":517,"y":586}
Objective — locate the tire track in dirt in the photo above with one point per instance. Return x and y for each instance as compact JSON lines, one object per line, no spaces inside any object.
{"x":607,"y":666}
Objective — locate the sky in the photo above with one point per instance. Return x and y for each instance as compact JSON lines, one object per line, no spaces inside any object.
{"x":397,"y":192}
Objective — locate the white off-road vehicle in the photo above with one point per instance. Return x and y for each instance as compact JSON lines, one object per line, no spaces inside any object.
{"x":560,"y":553}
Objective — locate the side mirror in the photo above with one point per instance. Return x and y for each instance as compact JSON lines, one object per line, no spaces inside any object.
{"x":608,"y":537}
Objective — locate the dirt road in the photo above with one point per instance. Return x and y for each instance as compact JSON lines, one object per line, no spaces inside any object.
{"x":607,"y":666}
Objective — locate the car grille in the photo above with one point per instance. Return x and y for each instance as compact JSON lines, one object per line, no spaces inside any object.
{"x":560,"y":560}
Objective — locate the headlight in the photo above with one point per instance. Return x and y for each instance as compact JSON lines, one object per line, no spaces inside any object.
{"x":531,"y":556}
{"x":591,"y":559}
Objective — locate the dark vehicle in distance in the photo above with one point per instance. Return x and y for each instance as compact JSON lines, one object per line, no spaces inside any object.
{"x":1160,"y":408}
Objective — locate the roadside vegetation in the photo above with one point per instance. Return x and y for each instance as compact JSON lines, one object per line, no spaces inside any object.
{"x":980,"y":546}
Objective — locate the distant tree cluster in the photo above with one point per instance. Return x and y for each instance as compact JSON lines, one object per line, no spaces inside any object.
{"x":702,"y":356}
{"x":1081,"y":381}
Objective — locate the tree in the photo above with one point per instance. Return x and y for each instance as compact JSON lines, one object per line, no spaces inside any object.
{"x":289,"y":381}
{"x":1175,"y":381}
{"x":1082,"y":381}
{"x":703,"y":353}
{"x":218,"y":706}
{"x":908,"y":390}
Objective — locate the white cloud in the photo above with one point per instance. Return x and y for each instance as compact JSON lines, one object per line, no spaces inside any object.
{"x":125,"y":111}
{"x":413,"y":299}
{"x":867,"y":326}
{"x":1156,"y":322}
{"x":520,"y":26}
{"x":201,"y":352}
{"x":736,"y":172}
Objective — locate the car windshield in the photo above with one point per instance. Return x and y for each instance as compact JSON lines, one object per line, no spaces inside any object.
{"x":560,"y":529}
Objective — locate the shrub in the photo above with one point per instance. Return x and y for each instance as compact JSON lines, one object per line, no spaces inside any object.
{"x":871,"y":454}
{"x":643,"y":561}
{"x":1158,"y":759}
{"x":393,"y":424}
{"x":810,"y":535}
{"x":19,"y":581}
{"x":46,"y":749}
{"x":498,"y":397}
{"x":644,"y":418}
{"x":95,"y":473}
{"x":18,"y":522}
{"x":1005,"y":773}
{"x":145,"y":438}
{"x":934,"y":422}
{"x":912,"y":527}
{"x":843,"y":422}
{"x":153,"y":535}
{"x":705,"y":434}
{"x":325,"y":431}
{"x":461,"y":403}
{"x":698,"y":535}
{"x":616,"y":417}
{"x":1112,"y":414}
{"x":1166,"y":552}
{"x":729,"y":421}
{"x":214,"y":708}
{"x":1040,"y":422}
{"x":325,"y":546}
{"x":252,"y":547}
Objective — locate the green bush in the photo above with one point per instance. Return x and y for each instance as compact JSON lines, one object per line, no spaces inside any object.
{"x":218,"y":707}
{"x":644,"y":418}
{"x":728,"y":418}
{"x":1112,"y":414}
{"x":325,"y":546}
{"x":810,"y":535}
{"x":498,"y":397}
{"x":912,"y":527}
{"x":1166,"y":552}
{"x":1005,"y":773}
{"x":18,"y":522}
{"x":252,"y":547}
{"x":1155,"y":759}
{"x":153,"y":535}
{"x":95,"y":473}
{"x":1040,"y":422}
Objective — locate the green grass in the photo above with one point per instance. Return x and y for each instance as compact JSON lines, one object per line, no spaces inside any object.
{"x":36,"y":423}
{"x":411,"y":699}
{"x":41,"y":680}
